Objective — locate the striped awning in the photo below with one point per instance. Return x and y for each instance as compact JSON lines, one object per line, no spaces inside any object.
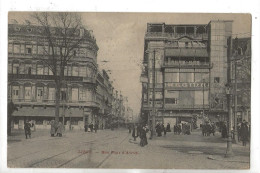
{"x":186,"y":52}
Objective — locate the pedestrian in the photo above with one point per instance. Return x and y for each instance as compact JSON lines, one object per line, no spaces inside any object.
{"x":179,"y":129}
{"x":96,"y":127}
{"x":244,"y":132}
{"x":175,"y":129}
{"x":27,"y":129}
{"x":239,"y":132}
{"x":158,"y":128}
{"x":168,"y":127}
{"x":86,"y":127}
{"x":91,"y":126}
{"x":60,"y":129}
{"x":135,"y":132}
{"x":143,"y":137}
{"x":52,"y":132}
{"x":129,"y":128}
{"x":164,"y":130}
{"x":224,"y":130}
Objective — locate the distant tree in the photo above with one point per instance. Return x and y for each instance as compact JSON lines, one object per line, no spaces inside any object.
{"x":63,"y":36}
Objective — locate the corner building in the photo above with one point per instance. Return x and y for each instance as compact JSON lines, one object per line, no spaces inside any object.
{"x":190,"y":71}
{"x":31,"y":83}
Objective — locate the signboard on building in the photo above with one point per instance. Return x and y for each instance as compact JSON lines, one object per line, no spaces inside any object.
{"x":182,"y":85}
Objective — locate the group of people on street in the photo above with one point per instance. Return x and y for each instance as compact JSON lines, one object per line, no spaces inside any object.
{"x":57,"y":128}
{"x":159,"y":128}
{"x":208,"y":128}
{"x":243,"y":130}
{"x":140,"y":131}
{"x":91,"y":127}
{"x":183,"y":128}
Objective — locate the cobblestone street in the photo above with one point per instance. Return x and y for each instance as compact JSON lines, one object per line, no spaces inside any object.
{"x":116,"y":149}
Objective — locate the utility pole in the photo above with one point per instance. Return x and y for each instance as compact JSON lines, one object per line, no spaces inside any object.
{"x":203,"y":111}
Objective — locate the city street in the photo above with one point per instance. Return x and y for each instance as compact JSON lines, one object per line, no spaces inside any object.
{"x":116,"y":149}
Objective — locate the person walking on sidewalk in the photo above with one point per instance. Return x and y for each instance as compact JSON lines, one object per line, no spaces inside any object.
{"x":143,"y":137}
{"x":135,"y":132}
{"x":244,"y":132}
{"x":52,"y":132}
{"x":96,"y":127}
{"x":60,"y":129}
{"x":27,"y":129}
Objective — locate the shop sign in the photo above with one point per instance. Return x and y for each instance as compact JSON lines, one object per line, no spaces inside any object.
{"x":187,"y":85}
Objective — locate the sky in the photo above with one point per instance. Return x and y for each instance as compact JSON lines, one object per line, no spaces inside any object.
{"x":120,"y":38}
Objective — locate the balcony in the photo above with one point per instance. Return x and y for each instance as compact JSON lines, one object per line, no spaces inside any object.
{"x":202,"y":65}
{"x":49,"y":77}
{"x":48,"y":102}
{"x":178,"y":106}
{"x":164,"y":35}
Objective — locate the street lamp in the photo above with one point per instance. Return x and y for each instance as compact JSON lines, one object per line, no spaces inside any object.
{"x":229,"y":152}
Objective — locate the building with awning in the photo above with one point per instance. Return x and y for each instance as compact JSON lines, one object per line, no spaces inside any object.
{"x":185,"y":71}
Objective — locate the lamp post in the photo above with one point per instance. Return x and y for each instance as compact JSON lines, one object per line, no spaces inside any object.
{"x":229,"y":152}
{"x":203,"y":111}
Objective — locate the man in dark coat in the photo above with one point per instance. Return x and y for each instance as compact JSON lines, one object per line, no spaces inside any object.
{"x":143,"y":137}
{"x":244,"y":132}
{"x":224,"y":130}
{"x":168,"y":127}
{"x":27,"y":129}
{"x":135,"y":132}
{"x":96,"y":127}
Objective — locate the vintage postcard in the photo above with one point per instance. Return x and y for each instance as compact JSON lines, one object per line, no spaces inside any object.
{"x":129,"y":90}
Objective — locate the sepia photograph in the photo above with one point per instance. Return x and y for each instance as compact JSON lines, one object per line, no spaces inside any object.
{"x":129,"y":90}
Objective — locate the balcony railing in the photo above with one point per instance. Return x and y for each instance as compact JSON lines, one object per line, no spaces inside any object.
{"x":52,"y":102}
{"x":188,"y":64}
{"x":178,"y":106}
{"x":176,"y":35}
{"x":49,"y":77}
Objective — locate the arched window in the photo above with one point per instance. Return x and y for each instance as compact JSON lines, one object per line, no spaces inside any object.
{"x":15,"y":67}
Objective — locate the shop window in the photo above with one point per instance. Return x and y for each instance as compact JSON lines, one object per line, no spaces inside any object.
{"x":171,"y":97}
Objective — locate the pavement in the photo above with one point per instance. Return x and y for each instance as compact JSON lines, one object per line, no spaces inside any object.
{"x":117,"y":149}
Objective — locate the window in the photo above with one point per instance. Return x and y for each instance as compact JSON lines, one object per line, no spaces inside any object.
{"x":10,"y":48}
{"x":39,"y":94}
{"x":51,"y":95}
{"x":16,"y":68}
{"x":9,"y":68}
{"x":63,"y":94}
{"x":75,"y":94}
{"x":16,"y":48}
{"x":171,"y":77}
{"x":88,"y":95}
{"x":199,"y":97}
{"x":216,"y":80}
{"x":171,"y":97}
{"x":15,"y":92}
{"x":75,"y":71}
{"x":39,"y":69}
{"x":186,"y":77}
{"x":82,"y":94}
{"x":82,"y":71}
{"x":27,"y":93}
{"x":28,"y":49}
{"x":200,"y":76}
{"x":158,"y":95}
{"x":46,"y":70}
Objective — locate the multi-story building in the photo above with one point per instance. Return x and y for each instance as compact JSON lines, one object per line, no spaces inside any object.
{"x":241,"y":71}
{"x":104,"y":98}
{"x":188,"y":66}
{"x":31,"y":83}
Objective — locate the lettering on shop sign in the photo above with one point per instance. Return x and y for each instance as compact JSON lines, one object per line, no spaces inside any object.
{"x":186,"y":85}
